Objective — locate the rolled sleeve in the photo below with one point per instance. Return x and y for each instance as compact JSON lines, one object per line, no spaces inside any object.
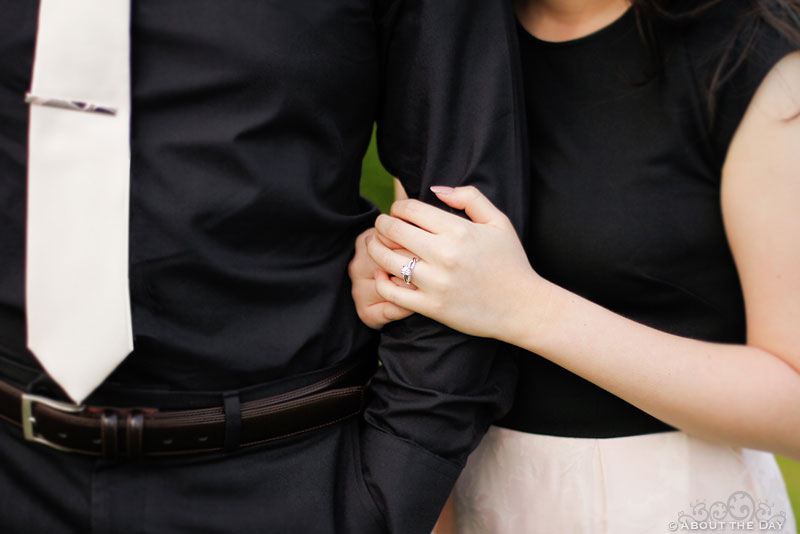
{"x":451,"y":114}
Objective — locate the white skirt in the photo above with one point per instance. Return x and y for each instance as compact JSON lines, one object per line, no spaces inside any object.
{"x":520,"y":483}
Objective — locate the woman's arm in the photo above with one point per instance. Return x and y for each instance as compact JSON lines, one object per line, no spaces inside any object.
{"x":471,"y":277}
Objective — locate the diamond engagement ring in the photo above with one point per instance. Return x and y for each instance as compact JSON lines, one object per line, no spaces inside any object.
{"x":407,"y":269}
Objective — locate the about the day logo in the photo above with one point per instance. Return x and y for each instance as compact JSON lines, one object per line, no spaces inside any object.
{"x":740,"y":512}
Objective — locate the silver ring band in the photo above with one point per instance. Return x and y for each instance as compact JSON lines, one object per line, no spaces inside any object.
{"x":407,"y":270}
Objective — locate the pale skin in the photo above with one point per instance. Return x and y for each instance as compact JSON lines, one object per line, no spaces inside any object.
{"x":473,"y":276}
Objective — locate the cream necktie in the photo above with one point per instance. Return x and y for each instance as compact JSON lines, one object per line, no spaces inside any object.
{"x":77,"y":301}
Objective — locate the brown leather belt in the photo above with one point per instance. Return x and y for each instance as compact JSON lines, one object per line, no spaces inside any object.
{"x":135,"y":432}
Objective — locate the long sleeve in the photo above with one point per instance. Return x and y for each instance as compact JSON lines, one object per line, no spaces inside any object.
{"x":451,"y":114}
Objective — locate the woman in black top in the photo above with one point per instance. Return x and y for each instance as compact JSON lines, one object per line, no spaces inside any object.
{"x":665,"y":181}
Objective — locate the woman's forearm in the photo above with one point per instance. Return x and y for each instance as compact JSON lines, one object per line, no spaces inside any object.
{"x":475,"y":277}
{"x":733,"y":393}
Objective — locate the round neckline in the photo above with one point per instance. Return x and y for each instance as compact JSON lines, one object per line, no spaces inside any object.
{"x":611,"y":29}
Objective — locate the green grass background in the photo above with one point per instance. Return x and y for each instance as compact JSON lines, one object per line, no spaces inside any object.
{"x":377,"y":185}
{"x":791,"y":474}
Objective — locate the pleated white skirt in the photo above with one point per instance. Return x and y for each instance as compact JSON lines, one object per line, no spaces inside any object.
{"x":520,"y":483}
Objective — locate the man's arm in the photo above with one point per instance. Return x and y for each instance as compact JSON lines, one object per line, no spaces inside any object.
{"x":451,"y":114}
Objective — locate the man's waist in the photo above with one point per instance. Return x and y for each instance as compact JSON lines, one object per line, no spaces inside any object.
{"x":26,"y":374}
{"x":227,"y":420}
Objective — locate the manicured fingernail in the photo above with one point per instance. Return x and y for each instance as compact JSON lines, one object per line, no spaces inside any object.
{"x":441,"y":189}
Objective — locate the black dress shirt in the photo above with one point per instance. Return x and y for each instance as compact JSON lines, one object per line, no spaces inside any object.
{"x":250,"y":121}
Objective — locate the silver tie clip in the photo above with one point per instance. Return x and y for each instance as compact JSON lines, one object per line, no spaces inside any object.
{"x":75,"y":105}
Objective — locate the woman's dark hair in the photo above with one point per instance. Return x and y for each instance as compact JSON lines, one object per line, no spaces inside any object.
{"x":781,"y":16}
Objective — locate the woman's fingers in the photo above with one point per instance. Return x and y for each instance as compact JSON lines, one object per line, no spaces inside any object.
{"x":408,"y":236}
{"x":397,"y":294}
{"x":394,"y":262}
{"x":427,"y":217}
{"x":434,"y":224}
{"x":362,"y":266}
{"x":365,"y":296}
{"x":479,"y":208}
{"x":391,"y":312}
{"x":372,"y":309}
{"x":386,"y":241}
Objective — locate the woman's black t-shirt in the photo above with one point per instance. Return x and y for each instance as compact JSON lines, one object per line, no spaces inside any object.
{"x":625,"y":196}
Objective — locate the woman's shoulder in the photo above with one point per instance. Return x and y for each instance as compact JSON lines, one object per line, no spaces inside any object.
{"x":742,"y":40}
{"x":733,"y":46}
{"x":778,"y":96}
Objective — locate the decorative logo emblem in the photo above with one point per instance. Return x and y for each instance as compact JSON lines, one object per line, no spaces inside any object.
{"x":740,"y":512}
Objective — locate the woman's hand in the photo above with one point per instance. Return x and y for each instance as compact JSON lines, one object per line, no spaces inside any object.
{"x":372,"y":309}
{"x":472,"y":276}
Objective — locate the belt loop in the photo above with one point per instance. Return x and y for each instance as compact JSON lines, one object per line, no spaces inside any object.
{"x":108,"y":434}
{"x":134,"y":423}
{"x":233,"y":420}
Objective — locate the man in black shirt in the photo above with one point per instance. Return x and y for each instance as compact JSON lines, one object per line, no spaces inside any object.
{"x":249,"y":123}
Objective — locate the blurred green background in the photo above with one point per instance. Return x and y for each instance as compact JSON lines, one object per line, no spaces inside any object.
{"x":791,"y":473}
{"x":377,"y":185}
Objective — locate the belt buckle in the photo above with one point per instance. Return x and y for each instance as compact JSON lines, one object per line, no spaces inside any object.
{"x":29,"y":420}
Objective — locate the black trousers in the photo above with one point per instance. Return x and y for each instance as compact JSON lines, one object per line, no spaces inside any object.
{"x":311,"y":483}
